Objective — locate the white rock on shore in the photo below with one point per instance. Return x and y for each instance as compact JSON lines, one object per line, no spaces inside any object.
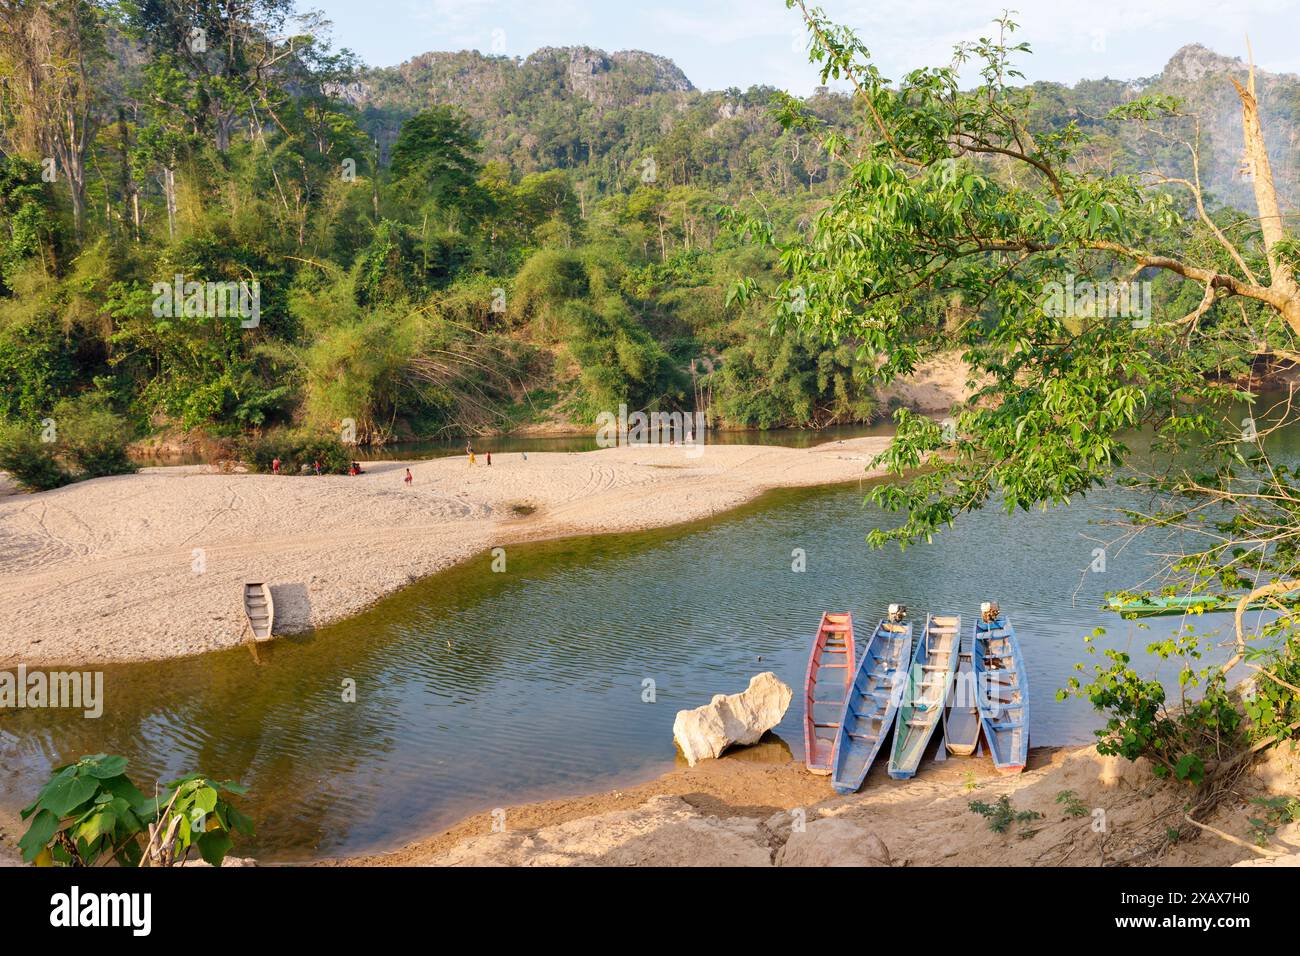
{"x":732,"y":718}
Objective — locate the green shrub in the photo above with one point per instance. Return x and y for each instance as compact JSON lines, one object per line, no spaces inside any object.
{"x":296,"y":448}
{"x":91,"y":813}
{"x":1181,"y":737}
{"x":333,"y":455}
{"x":30,"y":461}
{"x":1003,"y":814}
{"x":94,"y":437}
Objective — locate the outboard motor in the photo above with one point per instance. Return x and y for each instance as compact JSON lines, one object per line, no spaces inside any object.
{"x":897,"y":613}
{"x":990,"y":612}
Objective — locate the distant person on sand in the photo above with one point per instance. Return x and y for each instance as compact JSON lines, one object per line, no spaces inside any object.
{"x":489,"y":459}
{"x":275,"y":465}
{"x":525,"y":456}
{"x":316,"y":465}
{"x":407,"y":479}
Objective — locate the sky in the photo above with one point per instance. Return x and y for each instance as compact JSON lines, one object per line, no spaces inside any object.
{"x":724,"y":43}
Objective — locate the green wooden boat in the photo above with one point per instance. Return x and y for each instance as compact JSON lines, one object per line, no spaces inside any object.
{"x":1183,"y":604}
{"x":934,"y":665}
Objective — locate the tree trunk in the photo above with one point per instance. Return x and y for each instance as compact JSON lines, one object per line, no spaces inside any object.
{"x":169,"y":194}
{"x":1271,"y":225}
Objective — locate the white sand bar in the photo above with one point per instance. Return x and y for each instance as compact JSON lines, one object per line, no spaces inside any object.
{"x":150,"y":566}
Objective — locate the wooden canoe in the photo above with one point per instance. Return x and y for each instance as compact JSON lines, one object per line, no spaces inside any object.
{"x":826,"y":686}
{"x":1154,"y":606}
{"x":934,"y":663}
{"x":1003,"y":696}
{"x":872,"y":702}
{"x":961,"y":716}
{"x":259,"y":608}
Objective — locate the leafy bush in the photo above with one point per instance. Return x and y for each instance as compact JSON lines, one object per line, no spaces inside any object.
{"x":296,"y":448}
{"x":619,"y":361}
{"x":30,"y":461}
{"x":37,"y":360}
{"x":93,"y":437}
{"x":359,"y":370}
{"x":1275,"y":811}
{"x":1073,"y":806}
{"x":770,"y":381}
{"x":1002,"y":815}
{"x":547,"y":280}
{"x":1179,"y":740}
{"x":90,"y":812}
{"x":1274,"y":707}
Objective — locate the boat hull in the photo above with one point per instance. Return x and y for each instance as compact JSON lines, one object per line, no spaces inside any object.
{"x":1003,"y":694}
{"x":929,"y":682}
{"x":826,"y":687}
{"x":871,"y":706}
{"x":1171,"y":606}
{"x":259,"y":610}
{"x":961,"y":716}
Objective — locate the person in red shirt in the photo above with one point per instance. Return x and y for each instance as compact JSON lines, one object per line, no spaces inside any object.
{"x":275,"y":465}
{"x":408,"y":477}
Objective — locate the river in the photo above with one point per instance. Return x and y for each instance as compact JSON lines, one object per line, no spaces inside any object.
{"x":477,"y":690}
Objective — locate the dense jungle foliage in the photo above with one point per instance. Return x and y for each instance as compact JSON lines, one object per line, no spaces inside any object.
{"x":458,"y":245}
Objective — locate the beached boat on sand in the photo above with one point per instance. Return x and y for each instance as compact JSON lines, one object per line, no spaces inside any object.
{"x":1003,"y":693}
{"x":259,"y":608}
{"x":826,"y":686}
{"x":961,"y":717}
{"x":928,"y":682}
{"x":871,"y":704}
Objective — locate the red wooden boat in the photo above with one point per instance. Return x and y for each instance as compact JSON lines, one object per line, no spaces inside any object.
{"x":830,"y":673}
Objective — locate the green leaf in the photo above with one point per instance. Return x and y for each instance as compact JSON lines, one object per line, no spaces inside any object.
{"x":68,"y":794}
{"x":206,"y":799}
{"x":123,"y":788}
{"x":103,"y":767}
{"x":239,"y":822}
{"x":96,"y":825}
{"x":42,"y":830}
{"x":214,"y":845}
{"x":1190,"y":768}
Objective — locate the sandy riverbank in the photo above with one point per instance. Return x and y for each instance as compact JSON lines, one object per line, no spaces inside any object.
{"x":758,"y":807}
{"x":150,"y":566}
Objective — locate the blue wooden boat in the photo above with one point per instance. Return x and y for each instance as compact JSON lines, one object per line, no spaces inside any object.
{"x":961,"y":715}
{"x":871,"y":704}
{"x":1003,"y":695}
{"x":929,"y":679}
